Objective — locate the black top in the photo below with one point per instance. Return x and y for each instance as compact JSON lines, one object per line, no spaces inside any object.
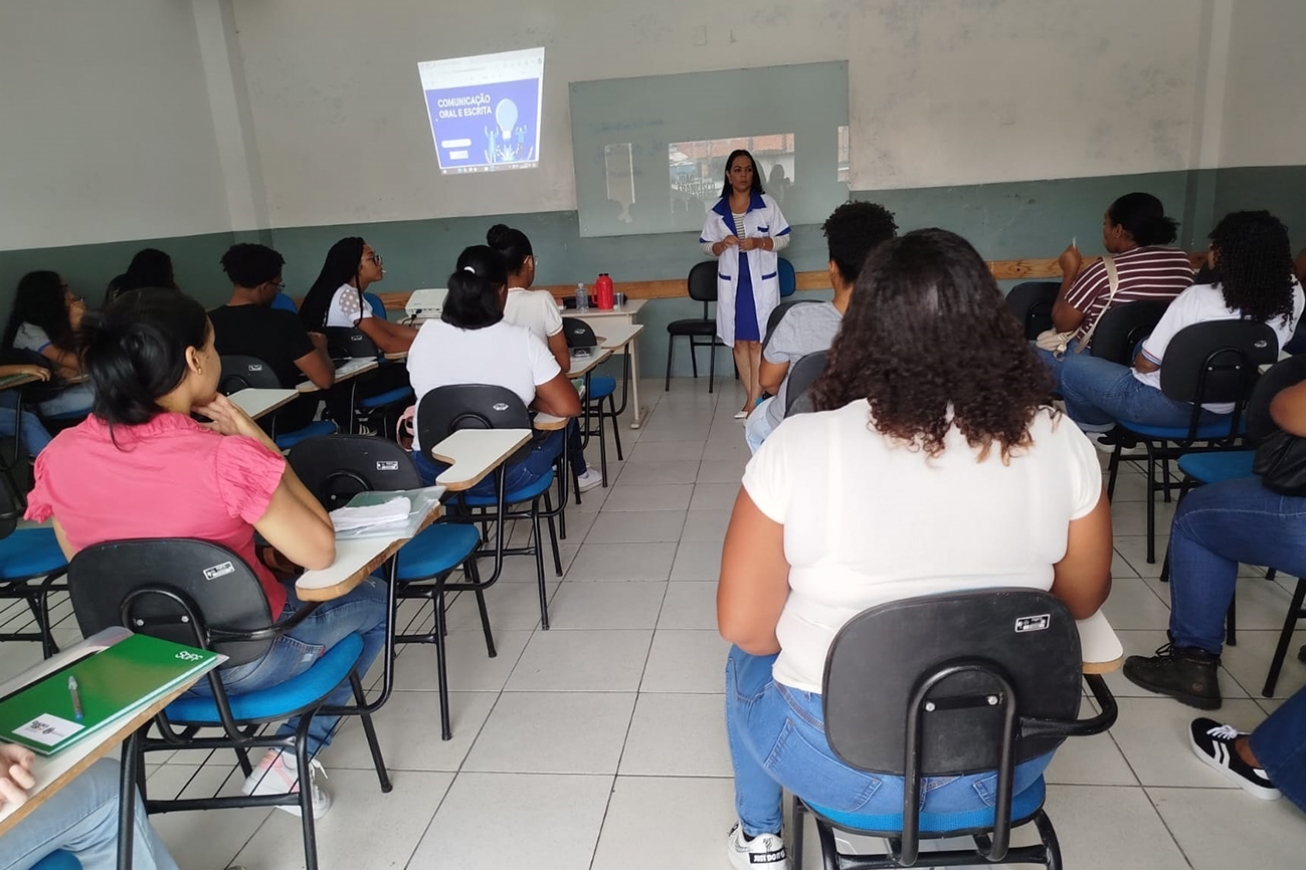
{"x":277,"y":337}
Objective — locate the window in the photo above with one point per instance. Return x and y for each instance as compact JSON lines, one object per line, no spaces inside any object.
{"x":619,"y":173}
{"x":698,"y":169}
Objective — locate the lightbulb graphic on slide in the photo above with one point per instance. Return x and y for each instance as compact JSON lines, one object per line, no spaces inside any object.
{"x":507,"y":144}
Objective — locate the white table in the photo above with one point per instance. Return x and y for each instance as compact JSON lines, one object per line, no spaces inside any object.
{"x":606,"y":325}
{"x":582,"y":364}
{"x":259,"y":403}
{"x":346,"y":370}
{"x":474,"y":453}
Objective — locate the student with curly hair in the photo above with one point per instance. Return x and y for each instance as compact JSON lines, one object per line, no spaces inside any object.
{"x":841,"y":510}
{"x":851,"y":232}
{"x":1252,"y":263}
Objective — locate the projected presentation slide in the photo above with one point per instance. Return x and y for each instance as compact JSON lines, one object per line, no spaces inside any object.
{"x":485,"y":110}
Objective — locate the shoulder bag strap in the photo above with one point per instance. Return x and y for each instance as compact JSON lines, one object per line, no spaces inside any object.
{"x":1113,"y":280}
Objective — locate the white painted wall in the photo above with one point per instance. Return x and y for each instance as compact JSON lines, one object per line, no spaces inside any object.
{"x":1265,"y":94}
{"x":105,"y":130}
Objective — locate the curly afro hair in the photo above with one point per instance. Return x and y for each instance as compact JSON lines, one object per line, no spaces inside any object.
{"x":929,"y":342}
{"x":852,"y":231}
{"x":1253,"y":261}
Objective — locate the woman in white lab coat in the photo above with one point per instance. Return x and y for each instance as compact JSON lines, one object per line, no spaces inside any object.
{"x":745,"y":231}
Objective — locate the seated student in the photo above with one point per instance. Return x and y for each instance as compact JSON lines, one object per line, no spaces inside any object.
{"x":336,"y":300}
{"x":114,"y":288}
{"x":471,"y":343}
{"x":140,"y":467}
{"x":851,"y":231}
{"x":921,"y":473}
{"x":1268,"y":763}
{"x":45,"y":319}
{"x":81,"y":818}
{"x":535,"y":310}
{"x":1135,"y":231}
{"x":149,"y":268}
{"x":34,"y":436}
{"x":1252,"y":261}
{"x":1215,"y":528}
{"x":248,"y":325}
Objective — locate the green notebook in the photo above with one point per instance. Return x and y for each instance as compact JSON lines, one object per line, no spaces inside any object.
{"x":45,"y":716}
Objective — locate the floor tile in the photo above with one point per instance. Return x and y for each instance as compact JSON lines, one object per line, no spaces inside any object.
{"x":714,"y":497}
{"x":1133,"y":605}
{"x":591,"y":605}
{"x":512,"y":606}
{"x":665,"y":472}
{"x":706,"y":526}
{"x":1130,"y":518}
{"x":663,"y":451}
{"x":686,"y":661}
{"x":677,"y":735}
{"x":1146,"y":643}
{"x":1095,"y":760}
{"x":664,"y":430}
{"x":1133,"y":547}
{"x":210,"y":840}
{"x":697,"y":561}
{"x":621,"y":527}
{"x":728,"y":450}
{"x":650,"y":497}
{"x":555,"y":818}
{"x":1221,"y":829}
{"x":1111,"y":827}
{"x":1249,"y":662}
{"x":623,"y":562}
{"x":582,"y":661}
{"x":554,"y":732}
{"x":722,"y":470}
{"x":689,"y":605}
{"x":1153,"y":734}
{"x":408,"y":729}
{"x":692,"y":819}
{"x":470,"y":668}
{"x":521,"y":569}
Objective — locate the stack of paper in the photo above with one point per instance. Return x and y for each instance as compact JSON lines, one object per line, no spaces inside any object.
{"x":353,"y":517}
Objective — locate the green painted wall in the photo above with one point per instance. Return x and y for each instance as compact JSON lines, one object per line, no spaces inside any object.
{"x":1004,"y":221}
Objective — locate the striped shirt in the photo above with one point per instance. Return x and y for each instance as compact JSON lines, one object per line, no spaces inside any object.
{"x":1145,"y":273}
{"x":739,"y":224}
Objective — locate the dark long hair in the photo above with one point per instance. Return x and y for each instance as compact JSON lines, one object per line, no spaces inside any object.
{"x":341,"y":267}
{"x":473,"y":300}
{"x":149,"y":268}
{"x":1253,"y":262}
{"x":1143,"y":217}
{"x":929,"y":342}
{"x":136,"y":352}
{"x":40,"y":300}
{"x":510,"y":244}
{"x":757,"y":173}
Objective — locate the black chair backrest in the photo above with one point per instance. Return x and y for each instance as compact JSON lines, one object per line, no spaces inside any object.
{"x":880,"y":658}
{"x":778,"y":313}
{"x":1217,"y":361}
{"x":1283,"y":374}
{"x":335,"y":468}
{"x":1123,"y":327}
{"x":349,"y":342}
{"x":213,"y":581}
{"x":1032,"y":302}
{"x":799,"y":381}
{"x":579,"y":334}
{"x":242,"y":372}
{"x":445,"y":410}
{"x":702,"y":283}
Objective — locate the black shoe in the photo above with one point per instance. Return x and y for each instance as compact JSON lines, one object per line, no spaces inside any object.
{"x":1213,"y":743}
{"x":1301,"y":654}
{"x":1189,"y":675}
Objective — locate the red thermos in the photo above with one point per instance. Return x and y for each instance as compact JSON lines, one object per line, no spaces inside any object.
{"x":603,"y":291}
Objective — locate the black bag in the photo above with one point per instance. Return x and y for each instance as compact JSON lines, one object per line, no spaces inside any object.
{"x":1281,"y":463}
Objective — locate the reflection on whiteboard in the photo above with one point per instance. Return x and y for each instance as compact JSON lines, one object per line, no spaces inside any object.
{"x":485,"y":110}
{"x":698,"y":171}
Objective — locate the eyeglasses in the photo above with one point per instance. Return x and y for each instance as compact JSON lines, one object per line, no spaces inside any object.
{"x":281,"y":286}
{"x":376,"y":258}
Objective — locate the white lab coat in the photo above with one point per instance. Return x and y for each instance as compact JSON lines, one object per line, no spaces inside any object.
{"x":763,"y":218}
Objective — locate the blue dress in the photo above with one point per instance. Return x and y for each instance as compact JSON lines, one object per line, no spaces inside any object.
{"x":745,"y":307}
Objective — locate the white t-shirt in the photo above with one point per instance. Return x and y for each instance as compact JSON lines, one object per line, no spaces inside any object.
{"x":868,"y":520}
{"x":533,"y":309}
{"x":347,"y":308}
{"x":1201,"y":303}
{"x":503,"y":355}
{"x":31,"y":337}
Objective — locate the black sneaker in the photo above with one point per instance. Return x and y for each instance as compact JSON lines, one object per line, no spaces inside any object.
{"x":1189,"y":675}
{"x":1213,"y":743}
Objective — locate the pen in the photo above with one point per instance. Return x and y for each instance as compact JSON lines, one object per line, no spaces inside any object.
{"x":77,"y":699}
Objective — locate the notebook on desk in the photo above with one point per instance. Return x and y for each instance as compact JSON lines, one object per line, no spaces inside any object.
{"x":96,"y":691}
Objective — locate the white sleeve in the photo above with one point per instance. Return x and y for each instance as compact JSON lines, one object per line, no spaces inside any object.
{"x":1085,"y":472}
{"x":544,"y":367}
{"x":1176,"y":317}
{"x":767,"y":477}
{"x":549,"y":315}
{"x":707,"y":248}
{"x":714,"y":230}
{"x":779,"y":243}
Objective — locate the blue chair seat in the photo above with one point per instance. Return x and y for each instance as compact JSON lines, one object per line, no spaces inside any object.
{"x":437,"y":549}
{"x":30,"y":553}
{"x":1023,"y":806}
{"x":60,"y":860}
{"x":1215,"y":467}
{"x":601,"y":387}
{"x":1218,"y":429}
{"x":316,"y":429}
{"x":389,"y":397}
{"x":282,"y":699}
{"x":530,"y":492}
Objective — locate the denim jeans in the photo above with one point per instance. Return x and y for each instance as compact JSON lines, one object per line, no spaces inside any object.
{"x":1279,"y":744}
{"x":33,"y":437}
{"x":362,"y":611}
{"x":777,"y":741}
{"x":758,"y":426}
{"x":546,"y":448}
{"x":1215,"y":528}
{"x":76,"y":399}
{"x":82,"y":818}
{"x":1099,"y":392}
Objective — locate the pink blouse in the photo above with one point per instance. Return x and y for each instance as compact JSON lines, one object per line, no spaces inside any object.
{"x":168,"y":478}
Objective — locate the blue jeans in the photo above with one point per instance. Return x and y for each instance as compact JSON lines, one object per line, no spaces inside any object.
{"x":758,"y":426}
{"x":33,"y":437}
{"x":1279,"y":744}
{"x":76,"y":399}
{"x":546,"y":448}
{"x":1099,"y":393}
{"x":1215,"y":528}
{"x":362,"y":611}
{"x":777,"y":741}
{"x":82,"y":818}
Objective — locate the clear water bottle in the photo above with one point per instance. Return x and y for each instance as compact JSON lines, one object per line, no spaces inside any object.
{"x":582,"y":297}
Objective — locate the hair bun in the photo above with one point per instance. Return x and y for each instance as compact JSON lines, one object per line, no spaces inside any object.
{"x":498,"y":236}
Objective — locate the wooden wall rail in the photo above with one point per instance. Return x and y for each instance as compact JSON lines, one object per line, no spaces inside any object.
{"x":671,"y":288}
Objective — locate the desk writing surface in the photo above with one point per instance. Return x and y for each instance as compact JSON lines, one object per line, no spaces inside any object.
{"x":582,"y":364}
{"x":474,"y":453}
{"x":1099,"y":647}
{"x":346,"y":370}
{"x":16,"y":380}
{"x":261,"y":402}
{"x":617,"y":335}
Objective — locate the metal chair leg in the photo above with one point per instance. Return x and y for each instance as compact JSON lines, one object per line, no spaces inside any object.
{"x":539,"y":566}
{"x":1231,"y":622}
{"x":671,"y":343}
{"x":1285,"y":639}
{"x":616,"y":428}
{"x":369,"y":730}
{"x":553,"y":535}
{"x":442,"y":668}
{"x":711,"y":366}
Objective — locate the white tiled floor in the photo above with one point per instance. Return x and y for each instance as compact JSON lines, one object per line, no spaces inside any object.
{"x":600,"y":745}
